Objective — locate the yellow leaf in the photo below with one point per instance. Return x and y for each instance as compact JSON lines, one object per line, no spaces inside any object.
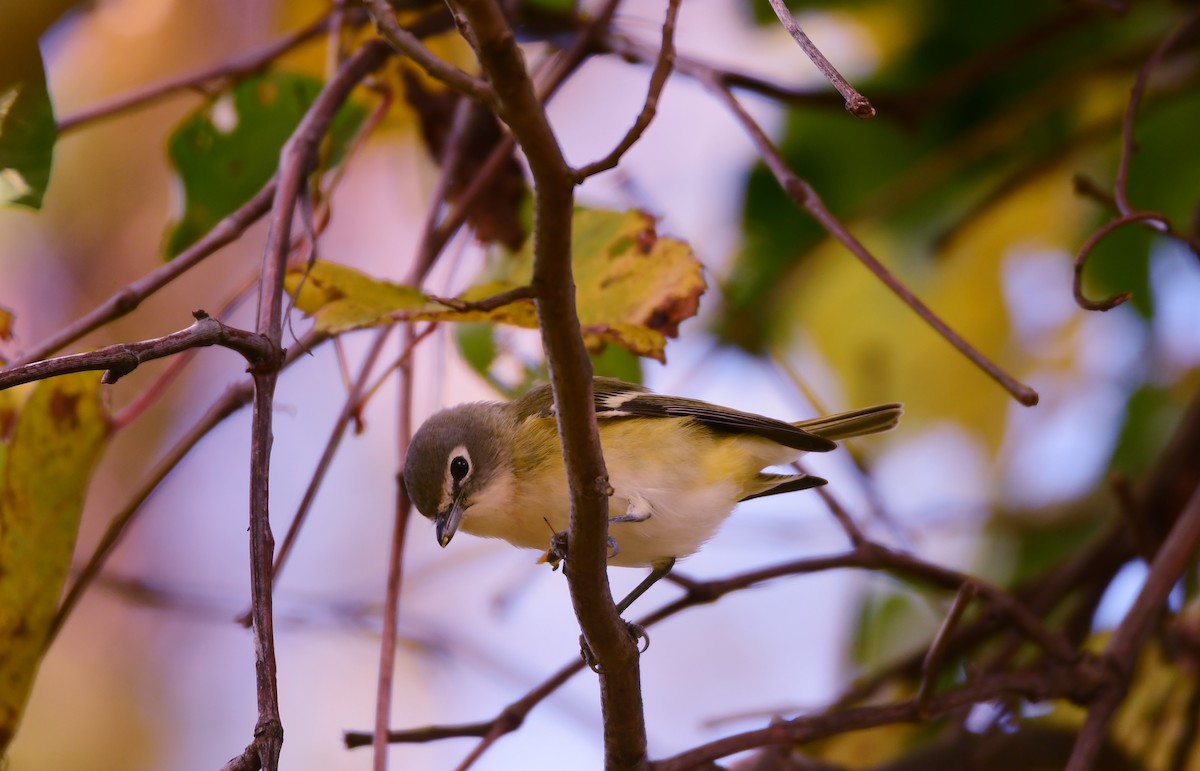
{"x":49,"y":449}
{"x":882,"y":351}
{"x":340,"y":298}
{"x":632,"y":287}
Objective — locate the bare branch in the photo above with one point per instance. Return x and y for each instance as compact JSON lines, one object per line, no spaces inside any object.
{"x":205,"y":79}
{"x":1153,"y":219}
{"x":570,"y":377}
{"x":1035,"y":683}
{"x":296,"y":160}
{"x":807,"y":199}
{"x":407,"y":44}
{"x":121,"y":359}
{"x":1120,"y":186}
{"x":1126,"y":642}
{"x":233,"y":400}
{"x":658,"y":79}
{"x":498,"y":300}
{"x":856,"y":103}
{"x":127,"y":299}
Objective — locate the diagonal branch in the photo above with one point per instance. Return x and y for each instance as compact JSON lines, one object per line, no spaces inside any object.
{"x":804,"y":196}
{"x":1173,"y":557}
{"x":663,"y":66}
{"x":856,"y":104}
{"x":409,"y":45}
{"x":130,"y":297}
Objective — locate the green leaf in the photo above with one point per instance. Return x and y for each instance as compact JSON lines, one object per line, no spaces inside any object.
{"x":46,"y":459}
{"x":226,"y":151}
{"x":477,"y":346}
{"x":632,"y":288}
{"x":27,"y":132}
{"x":618,"y":362}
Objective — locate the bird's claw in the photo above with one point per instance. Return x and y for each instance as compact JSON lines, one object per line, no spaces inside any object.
{"x":637,"y":633}
{"x":558,"y":549}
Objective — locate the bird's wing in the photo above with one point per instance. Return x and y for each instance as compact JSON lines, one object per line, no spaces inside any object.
{"x":615,"y":399}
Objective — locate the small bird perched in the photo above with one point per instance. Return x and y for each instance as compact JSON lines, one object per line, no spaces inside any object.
{"x":677,"y":467}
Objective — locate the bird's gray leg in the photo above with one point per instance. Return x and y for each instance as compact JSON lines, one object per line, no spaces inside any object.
{"x":639,"y":510}
{"x":636,"y":631}
{"x":660,"y":572}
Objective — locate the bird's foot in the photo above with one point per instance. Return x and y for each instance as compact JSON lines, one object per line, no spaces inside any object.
{"x":557,"y":552}
{"x":637,"y":633}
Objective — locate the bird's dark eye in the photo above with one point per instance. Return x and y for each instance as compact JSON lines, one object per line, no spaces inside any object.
{"x":459,"y":468}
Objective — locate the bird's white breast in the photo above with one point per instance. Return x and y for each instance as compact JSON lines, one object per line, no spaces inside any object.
{"x":690,"y":481}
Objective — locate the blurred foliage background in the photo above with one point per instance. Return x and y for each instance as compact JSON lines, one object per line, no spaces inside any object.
{"x":992,"y":158}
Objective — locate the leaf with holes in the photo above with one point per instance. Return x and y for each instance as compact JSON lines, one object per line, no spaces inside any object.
{"x":226,"y":151}
{"x":27,"y":130}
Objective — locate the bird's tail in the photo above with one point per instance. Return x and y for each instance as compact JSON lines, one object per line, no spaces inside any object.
{"x":844,"y":425}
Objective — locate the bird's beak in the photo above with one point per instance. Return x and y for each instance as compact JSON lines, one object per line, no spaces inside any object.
{"x":447,"y":522}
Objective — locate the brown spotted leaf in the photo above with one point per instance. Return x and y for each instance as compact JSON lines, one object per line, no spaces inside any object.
{"x":48,"y":448}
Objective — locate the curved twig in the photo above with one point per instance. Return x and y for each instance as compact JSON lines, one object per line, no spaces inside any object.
{"x":1155,"y":219}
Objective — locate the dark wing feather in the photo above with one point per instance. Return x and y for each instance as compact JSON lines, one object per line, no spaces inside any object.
{"x":784,"y":483}
{"x":615,"y":399}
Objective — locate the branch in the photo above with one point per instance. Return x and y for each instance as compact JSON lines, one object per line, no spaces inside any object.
{"x":856,"y":103}
{"x":407,"y":44}
{"x":295,"y":163}
{"x":658,"y":79}
{"x":868,"y":556}
{"x":1035,"y":684}
{"x":571,"y":382}
{"x":1153,"y":219}
{"x":1120,"y":185}
{"x":237,"y":66}
{"x":498,"y":300}
{"x":121,"y":359}
{"x":233,"y":400}
{"x":1120,"y":199}
{"x":807,"y":199}
{"x":130,"y":297}
{"x":1173,"y":557}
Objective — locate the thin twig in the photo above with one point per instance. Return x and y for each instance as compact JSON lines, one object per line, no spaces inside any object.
{"x":807,"y":199}
{"x":409,"y":45}
{"x":121,"y":359}
{"x":391,"y":607}
{"x":1121,"y":184}
{"x":856,"y":103}
{"x":487,"y":304}
{"x":349,"y":408}
{"x":296,"y":160}
{"x":175,"y":367}
{"x":663,"y":65}
{"x":1153,"y":219}
{"x":201,"y":79}
{"x":932,"y":665}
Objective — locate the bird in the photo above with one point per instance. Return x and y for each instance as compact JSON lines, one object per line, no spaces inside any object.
{"x":677,"y":467}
